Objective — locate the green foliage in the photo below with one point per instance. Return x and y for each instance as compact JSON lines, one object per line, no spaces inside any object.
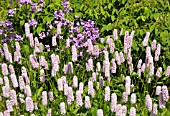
{"x":140,"y":16}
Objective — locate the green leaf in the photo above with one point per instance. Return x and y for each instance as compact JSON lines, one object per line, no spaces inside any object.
{"x":110,"y":5}
{"x":22,"y":22}
{"x":103,"y":28}
{"x":26,"y":49}
{"x":78,"y":14}
{"x":109,"y":27}
{"x":143,"y":18}
{"x":113,"y":18}
{"x":102,"y":10}
{"x":136,"y":24}
{"x":39,"y":29}
{"x":152,"y":27}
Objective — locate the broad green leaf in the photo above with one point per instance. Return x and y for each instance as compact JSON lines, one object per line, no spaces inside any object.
{"x":22,"y":22}
{"x":109,"y":27}
{"x":143,"y":18}
{"x":113,"y":18}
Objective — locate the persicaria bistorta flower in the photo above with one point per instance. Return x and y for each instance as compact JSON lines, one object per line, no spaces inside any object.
{"x":49,"y":112}
{"x":148,"y":102}
{"x":87,"y":102}
{"x":9,"y":105}
{"x":44,"y":98}
{"x":139,"y":64}
{"x":27,"y":91}
{"x":159,"y":72}
{"x":153,"y":45}
{"x":74,"y":53}
{"x":60,"y":84}
{"x":81,"y":85}
{"x":117,"y":58}
{"x":6,"y":91}
{"x":89,"y":65}
{"x":157,"y":52}
{"x":113,"y":67}
{"x":90,"y":88}
{"x":113,"y":102}
{"x":65,"y":89}
{"x":145,"y":42}
{"x":154,"y":111}
{"x":27,"y":29}
{"x":100,"y":112}
{"x":122,"y":59}
{"x":14,"y":80}
{"x":11,"y":69}
{"x":75,"y":81}
{"x":50,"y":95}
{"x":133,"y":98}
{"x":107,"y":94}
{"x":29,"y":104}
{"x":70,"y":68}
{"x":107,"y":68}
{"x":6,"y":80}
{"x":132,"y":111}
{"x":119,"y":110}
{"x":111,"y":46}
{"x":62,"y":108}
{"x":165,"y":93}
{"x":1,"y":81}
{"x":162,"y":103}
{"x":4,"y":69}
{"x":115,"y":35}
{"x":79,"y":98}
{"x":125,"y":97}
{"x":98,"y":67}
{"x":95,"y":51}
{"x":167,"y":71}
{"x":13,"y":97}
{"x":42,"y":75}
{"x":158,"y":90}
{"x":124,"y":110}
{"x":70,"y":96}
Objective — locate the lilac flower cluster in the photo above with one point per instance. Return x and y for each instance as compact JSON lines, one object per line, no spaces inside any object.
{"x":65,"y":4}
{"x":32,"y":22}
{"x":79,"y":38}
{"x":11,"y":12}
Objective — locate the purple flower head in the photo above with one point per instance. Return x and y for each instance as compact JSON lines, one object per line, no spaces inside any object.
{"x":34,"y":7}
{"x":39,"y":9}
{"x":47,"y":47}
{"x":10,"y":1}
{"x":8,"y":23}
{"x":80,"y":54}
{"x":76,"y":17}
{"x":48,"y":32}
{"x":22,"y":2}
{"x":58,"y":14}
{"x":42,"y":35}
{"x":1,"y":31}
{"x":9,"y":38}
{"x":65,"y":4}
{"x":11,"y":12}
{"x":1,"y":52}
{"x":32,"y":22}
{"x":41,"y":2}
{"x":19,"y":37}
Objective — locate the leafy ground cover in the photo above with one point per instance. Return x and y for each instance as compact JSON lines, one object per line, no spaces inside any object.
{"x":84,"y":58}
